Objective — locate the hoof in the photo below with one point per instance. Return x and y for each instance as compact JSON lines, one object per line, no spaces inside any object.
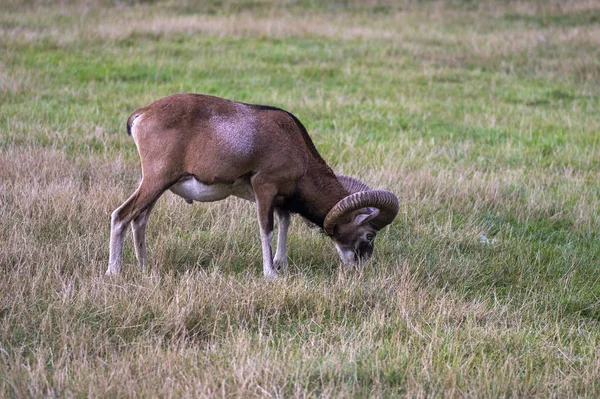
{"x":280,"y":265}
{"x":110,"y":273}
{"x":270,"y":275}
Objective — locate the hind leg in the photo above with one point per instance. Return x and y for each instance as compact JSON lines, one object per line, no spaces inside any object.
{"x":136,"y":206}
{"x":138,"y":228}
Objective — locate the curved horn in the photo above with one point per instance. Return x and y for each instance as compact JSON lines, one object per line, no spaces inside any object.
{"x":352,"y":184}
{"x":385,"y":201}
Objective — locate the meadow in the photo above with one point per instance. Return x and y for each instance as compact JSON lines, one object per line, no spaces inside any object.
{"x":482,"y":116}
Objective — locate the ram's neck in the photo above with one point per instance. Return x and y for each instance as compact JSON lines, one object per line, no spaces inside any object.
{"x":318,"y":191}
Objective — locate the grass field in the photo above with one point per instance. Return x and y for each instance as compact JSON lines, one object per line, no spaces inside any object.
{"x":482,"y":116}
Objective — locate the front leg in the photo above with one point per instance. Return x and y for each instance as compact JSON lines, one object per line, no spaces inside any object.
{"x":264,"y":206}
{"x":283,"y":224}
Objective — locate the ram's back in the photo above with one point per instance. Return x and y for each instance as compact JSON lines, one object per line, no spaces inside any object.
{"x":219,"y":140}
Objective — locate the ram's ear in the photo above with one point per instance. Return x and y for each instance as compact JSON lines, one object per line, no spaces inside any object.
{"x":363,"y":218}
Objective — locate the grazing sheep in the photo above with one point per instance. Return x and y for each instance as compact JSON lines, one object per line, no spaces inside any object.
{"x":205,"y":148}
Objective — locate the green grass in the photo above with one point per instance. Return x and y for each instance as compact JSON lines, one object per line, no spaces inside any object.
{"x":481,"y":116}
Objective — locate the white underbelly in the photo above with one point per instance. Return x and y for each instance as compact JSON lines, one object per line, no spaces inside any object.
{"x":194,"y":190}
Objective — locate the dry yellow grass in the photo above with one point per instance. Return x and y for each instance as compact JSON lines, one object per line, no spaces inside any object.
{"x":481,"y":116}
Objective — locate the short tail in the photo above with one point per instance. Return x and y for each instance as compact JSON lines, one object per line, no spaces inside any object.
{"x":130,"y":122}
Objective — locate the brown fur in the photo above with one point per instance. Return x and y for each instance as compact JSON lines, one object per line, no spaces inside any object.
{"x":177,"y":137}
{"x":175,"y":140}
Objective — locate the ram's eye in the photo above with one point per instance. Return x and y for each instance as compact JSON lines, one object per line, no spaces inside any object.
{"x":370,"y":237}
